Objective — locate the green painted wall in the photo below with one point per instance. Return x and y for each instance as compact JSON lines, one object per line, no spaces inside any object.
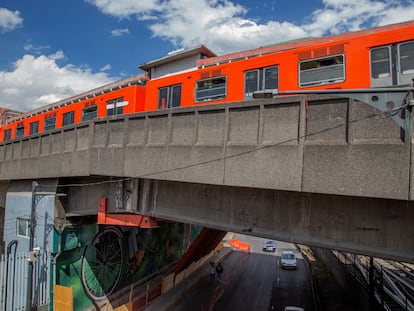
{"x":144,"y":251}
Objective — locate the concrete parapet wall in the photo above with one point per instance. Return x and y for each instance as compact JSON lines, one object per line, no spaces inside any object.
{"x":314,"y":144}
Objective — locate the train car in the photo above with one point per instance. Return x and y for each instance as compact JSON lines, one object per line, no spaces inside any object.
{"x":377,"y":57}
{"x":122,"y":97}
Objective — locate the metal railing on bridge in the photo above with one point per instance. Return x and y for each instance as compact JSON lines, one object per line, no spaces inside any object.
{"x":392,"y":281}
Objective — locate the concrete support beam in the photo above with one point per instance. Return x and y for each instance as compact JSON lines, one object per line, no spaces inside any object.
{"x":375,"y":227}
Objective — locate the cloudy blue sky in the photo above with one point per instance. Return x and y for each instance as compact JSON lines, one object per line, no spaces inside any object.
{"x":53,"y":49}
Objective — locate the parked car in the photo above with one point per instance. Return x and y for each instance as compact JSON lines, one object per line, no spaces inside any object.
{"x":269,"y":246}
{"x":292,"y":308}
{"x":288,"y":260}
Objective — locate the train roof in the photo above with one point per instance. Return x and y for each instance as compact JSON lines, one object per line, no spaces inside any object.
{"x":289,"y":45}
{"x":139,"y":79}
{"x":201,"y":50}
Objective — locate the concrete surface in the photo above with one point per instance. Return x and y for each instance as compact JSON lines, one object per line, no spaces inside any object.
{"x":312,"y":144}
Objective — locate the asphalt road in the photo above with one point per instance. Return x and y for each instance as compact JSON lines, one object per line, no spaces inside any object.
{"x":253,"y":281}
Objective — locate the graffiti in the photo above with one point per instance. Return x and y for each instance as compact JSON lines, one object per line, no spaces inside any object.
{"x":97,"y":260}
{"x":102,"y":263}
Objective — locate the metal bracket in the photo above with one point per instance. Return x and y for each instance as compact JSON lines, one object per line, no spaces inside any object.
{"x":396,"y":102}
{"x":123,"y":219}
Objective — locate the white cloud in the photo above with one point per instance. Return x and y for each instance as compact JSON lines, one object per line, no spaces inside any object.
{"x":219,"y":25}
{"x":35,"y":49}
{"x":105,"y":68}
{"x":57,"y":55}
{"x":397,"y":14}
{"x":9,"y":20}
{"x":125,"y":8}
{"x":38,"y":81}
{"x":222,"y":25}
{"x":119,"y":32}
{"x":339,"y":16}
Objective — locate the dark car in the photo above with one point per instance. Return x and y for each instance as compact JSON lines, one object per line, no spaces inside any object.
{"x":269,"y":246}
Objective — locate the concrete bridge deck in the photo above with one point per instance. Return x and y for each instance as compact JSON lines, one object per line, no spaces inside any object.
{"x":310,"y":144}
{"x":318,"y":170}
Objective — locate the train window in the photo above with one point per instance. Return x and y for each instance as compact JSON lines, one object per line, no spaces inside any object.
{"x":210,"y":89}
{"x":19,"y":131}
{"x":407,"y":58}
{"x":392,"y":64}
{"x":115,"y":106}
{"x":260,"y":80}
{"x":169,"y":96}
{"x":270,"y":78}
{"x":89,"y":113}
{"x":34,"y":127}
{"x":69,"y":118}
{"x":380,"y":63}
{"x":112,"y":109}
{"x":7,"y":135}
{"x":251,"y":82}
{"x":50,"y":122}
{"x":162,"y":97}
{"x":325,"y":70}
{"x":176,"y":96}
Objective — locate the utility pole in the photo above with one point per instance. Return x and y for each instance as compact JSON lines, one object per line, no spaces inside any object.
{"x":34,"y":252}
{"x":32,"y":224}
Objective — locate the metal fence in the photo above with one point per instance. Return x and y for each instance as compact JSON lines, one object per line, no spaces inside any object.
{"x":14,"y":281}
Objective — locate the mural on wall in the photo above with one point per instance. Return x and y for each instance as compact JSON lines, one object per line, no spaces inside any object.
{"x":97,"y":260}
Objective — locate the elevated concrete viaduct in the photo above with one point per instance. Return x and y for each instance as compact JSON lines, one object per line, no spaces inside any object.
{"x":320,"y":170}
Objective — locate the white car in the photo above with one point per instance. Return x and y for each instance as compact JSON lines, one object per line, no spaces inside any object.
{"x":292,"y":308}
{"x":288,"y":260}
{"x":269,"y":246}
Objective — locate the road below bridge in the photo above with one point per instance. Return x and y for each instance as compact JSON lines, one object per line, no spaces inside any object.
{"x":255,"y":281}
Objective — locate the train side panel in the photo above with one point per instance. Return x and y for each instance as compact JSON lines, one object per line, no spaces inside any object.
{"x":341,"y":63}
{"x":125,"y":100}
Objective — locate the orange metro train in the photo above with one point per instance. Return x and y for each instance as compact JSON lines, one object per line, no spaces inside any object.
{"x":376,"y":57}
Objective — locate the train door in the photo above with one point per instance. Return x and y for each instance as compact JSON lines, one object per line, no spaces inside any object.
{"x":261,"y":79}
{"x":392,"y":64}
{"x":169,"y":96}
{"x":115,"y":106}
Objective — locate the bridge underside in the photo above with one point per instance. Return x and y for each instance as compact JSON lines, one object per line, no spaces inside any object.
{"x":371,"y":226}
{"x":367,"y":226}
